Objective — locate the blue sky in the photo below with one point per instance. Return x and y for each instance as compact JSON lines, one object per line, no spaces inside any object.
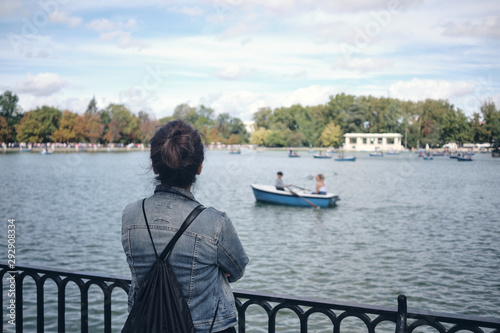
{"x":237,"y":56}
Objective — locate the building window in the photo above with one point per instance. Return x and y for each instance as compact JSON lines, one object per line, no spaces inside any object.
{"x":390,"y":141}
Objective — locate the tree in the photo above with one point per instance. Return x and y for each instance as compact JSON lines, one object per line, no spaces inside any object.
{"x":92,"y":107}
{"x":479,"y":132}
{"x":80,"y":128}
{"x":39,"y":124}
{"x":94,"y":128}
{"x":5,"y":131}
{"x":65,"y":132}
{"x":233,"y":139}
{"x":119,"y":127}
{"x":8,"y":104}
{"x":294,"y":139}
{"x":276,"y":138}
{"x":147,"y":127}
{"x":263,"y":117}
{"x":356,"y":118}
{"x":212,"y":136}
{"x":185,"y":112}
{"x":12,"y":113}
{"x":260,"y":136}
{"x":331,"y":135}
{"x":491,"y":118}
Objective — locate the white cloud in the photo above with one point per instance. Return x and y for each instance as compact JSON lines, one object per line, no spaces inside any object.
{"x":245,"y":103}
{"x":64,"y":18}
{"x":107,"y":25}
{"x":189,"y":11}
{"x":367,"y":64}
{"x":488,"y":27}
{"x":234,"y":72}
{"x":8,"y":7}
{"x":42,"y":84}
{"x":124,"y":39}
{"x":116,"y":30}
{"x":417,"y":89}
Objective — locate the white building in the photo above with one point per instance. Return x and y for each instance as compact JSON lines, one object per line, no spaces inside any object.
{"x":249,"y":126}
{"x":373,"y":141}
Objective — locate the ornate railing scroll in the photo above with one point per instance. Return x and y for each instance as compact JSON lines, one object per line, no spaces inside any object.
{"x":371,"y":317}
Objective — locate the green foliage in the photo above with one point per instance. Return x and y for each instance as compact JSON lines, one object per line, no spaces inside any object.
{"x":433,"y":122}
{"x":491,"y":117}
{"x":12,"y":113}
{"x":8,"y":104}
{"x":65,"y":132}
{"x":5,"y":131}
{"x":331,"y":136}
{"x":39,"y":124}
{"x":260,"y":136}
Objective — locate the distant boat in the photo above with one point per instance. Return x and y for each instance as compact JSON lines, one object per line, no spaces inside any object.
{"x":428,"y":158}
{"x":320,"y":155}
{"x":392,"y":152}
{"x":45,"y":152}
{"x":346,"y":159}
{"x":465,"y":158}
{"x":377,"y":154}
{"x":235,"y":152}
{"x":293,"y":154}
{"x":269,"y":194}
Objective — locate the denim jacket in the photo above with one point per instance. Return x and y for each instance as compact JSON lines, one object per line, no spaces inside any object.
{"x":207,"y":250}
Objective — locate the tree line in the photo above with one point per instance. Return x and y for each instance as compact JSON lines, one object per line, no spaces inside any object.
{"x":113,"y":124}
{"x":433,"y":122}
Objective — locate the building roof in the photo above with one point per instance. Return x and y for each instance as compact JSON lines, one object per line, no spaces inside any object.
{"x":372,"y":135}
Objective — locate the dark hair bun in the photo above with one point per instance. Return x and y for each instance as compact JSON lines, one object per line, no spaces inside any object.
{"x":176,"y":154}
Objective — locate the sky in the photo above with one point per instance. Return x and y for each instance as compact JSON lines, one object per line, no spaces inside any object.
{"x":237,"y":56}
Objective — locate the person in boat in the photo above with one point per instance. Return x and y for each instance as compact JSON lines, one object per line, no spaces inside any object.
{"x":208,"y":256}
{"x":279,"y":182}
{"x":320,"y":185}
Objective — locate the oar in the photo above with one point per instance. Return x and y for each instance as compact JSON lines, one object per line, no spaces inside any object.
{"x":305,"y":189}
{"x":296,"y":194}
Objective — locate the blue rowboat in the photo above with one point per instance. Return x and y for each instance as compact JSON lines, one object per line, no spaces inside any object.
{"x":346,"y":159}
{"x":377,"y":154}
{"x":428,"y":158}
{"x":293,"y":155}
{"x":235,"y":152}
{"x":269,"y":194}
{"x":464,"y":159}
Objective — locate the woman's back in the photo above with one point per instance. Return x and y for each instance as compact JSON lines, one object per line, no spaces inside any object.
{"x":208,"y":255}
{"x":199,"y":259}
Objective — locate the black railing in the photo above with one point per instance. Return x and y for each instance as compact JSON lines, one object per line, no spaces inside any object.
{"x":333,"y":315}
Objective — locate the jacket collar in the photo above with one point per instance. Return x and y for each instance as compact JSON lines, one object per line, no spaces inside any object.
{"x":175,"y":190}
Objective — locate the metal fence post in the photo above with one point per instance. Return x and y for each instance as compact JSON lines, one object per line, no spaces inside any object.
{"x":402,"y":315}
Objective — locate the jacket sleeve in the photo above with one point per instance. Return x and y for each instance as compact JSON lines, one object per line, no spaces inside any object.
{"x":231,"y":256}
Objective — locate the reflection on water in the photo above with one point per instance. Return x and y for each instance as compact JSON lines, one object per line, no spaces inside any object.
{"x":428,"y":229}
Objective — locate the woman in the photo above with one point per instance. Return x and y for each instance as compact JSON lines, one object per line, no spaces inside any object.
{"x":209,"y":254}
{"x":320,"y":185}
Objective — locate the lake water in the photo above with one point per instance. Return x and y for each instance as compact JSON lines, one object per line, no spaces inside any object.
{"x":426,"y":229}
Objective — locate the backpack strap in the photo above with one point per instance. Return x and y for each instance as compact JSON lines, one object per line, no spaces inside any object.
{"x":194,"y":214}
{"x":147,"y":225}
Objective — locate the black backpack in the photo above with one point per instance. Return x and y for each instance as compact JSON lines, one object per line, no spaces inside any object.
{"x":160,"y":305}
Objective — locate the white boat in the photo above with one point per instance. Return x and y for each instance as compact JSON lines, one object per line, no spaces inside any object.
{"x":299,"y":197}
